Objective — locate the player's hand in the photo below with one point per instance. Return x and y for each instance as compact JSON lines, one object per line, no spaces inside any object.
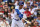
{"x":10,"y":3}
{"x":32,"y":13}
{"x":28,"y":22}
{"x":29,"y":16}
{"x":23,"y":21}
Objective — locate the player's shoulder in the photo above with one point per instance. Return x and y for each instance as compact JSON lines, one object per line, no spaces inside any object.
{"x":22,"y":10}
{"x":16,"y":10}
{"x":17,"y":7}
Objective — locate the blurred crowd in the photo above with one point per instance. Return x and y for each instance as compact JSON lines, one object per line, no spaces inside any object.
{"x":30,"y":7}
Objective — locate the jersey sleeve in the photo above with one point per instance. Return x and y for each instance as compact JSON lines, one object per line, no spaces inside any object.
{"x":17,"y":11}
{"x":24,"y":16}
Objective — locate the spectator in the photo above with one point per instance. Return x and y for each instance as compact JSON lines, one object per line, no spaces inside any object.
{"x":0,"y":0}
{"x":5,"y":5}
{"x":35,"y":24}
{"x":1,"y":6}
{"x":28,"y":14}
{"x":6,"y":23}
{"x":9,"y":18}
{"x":6,"y":11}
{"x":38,"y":20}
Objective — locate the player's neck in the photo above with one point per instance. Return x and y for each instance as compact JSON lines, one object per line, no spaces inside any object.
{"x":20,"y":8}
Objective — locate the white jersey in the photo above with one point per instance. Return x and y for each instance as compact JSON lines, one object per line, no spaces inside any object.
{"x":14,"y":15}
{"x":14,"y":22}
{"x":17,"y":7}
{"x":22,"y":10}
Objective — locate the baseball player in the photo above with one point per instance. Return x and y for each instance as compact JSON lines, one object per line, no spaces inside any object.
{"x":17,"y":17}
{"x":21,"y":4}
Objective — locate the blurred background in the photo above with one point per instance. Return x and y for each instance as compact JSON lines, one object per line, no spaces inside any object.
{"x":6,"y":7}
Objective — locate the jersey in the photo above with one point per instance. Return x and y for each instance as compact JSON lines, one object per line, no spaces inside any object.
{"x":22,"y":11}
{"x":17,"y":14}
{"x":17,"y":7}
{"x":14,"y":15}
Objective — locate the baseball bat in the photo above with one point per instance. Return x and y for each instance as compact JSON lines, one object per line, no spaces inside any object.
{"x":27,"y":21}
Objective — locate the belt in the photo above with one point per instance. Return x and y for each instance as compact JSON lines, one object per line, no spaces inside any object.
{"x":16,"y":19}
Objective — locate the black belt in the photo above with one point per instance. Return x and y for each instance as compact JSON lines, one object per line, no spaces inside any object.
{"x":16,"y":19}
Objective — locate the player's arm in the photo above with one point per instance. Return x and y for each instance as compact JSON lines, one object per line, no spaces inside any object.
{"x":24,"y":19}
{"x":29,"y":16}
{"x":19,"y":14}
